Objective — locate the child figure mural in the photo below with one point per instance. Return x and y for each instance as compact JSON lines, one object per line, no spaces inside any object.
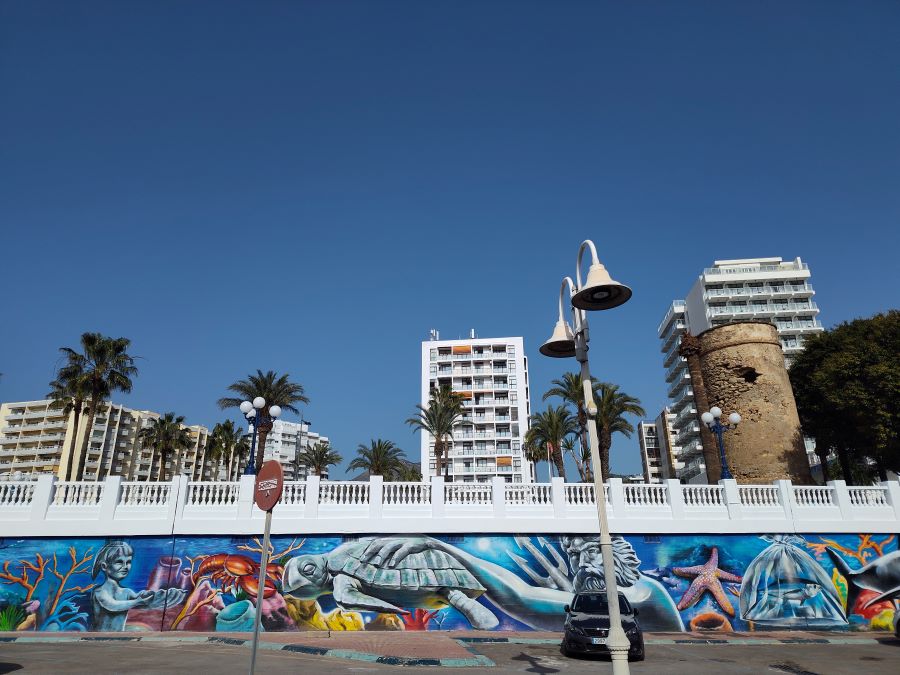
{"x":110,"y":602}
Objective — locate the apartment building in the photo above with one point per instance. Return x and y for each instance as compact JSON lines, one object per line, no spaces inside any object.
{"x":36,"y":438}
{"x":761,"y":289}
{"x":491,"y":374}
{"x":286,"y":441}
{"x":654,"y":456}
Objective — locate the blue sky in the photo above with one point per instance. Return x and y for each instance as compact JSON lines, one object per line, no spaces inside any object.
{"x":310,"y":186}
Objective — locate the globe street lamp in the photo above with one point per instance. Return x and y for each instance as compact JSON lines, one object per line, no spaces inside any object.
{"x":599,"y":292}
{"x":712,"y":421}
{"x":255,"y":415}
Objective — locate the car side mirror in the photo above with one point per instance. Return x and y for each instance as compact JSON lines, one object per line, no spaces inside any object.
{"x":567,"y":609}
{"x":636,"y":611}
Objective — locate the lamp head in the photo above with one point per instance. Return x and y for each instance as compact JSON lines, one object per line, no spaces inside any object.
{"x":716,"y":411}
{"x":246,"y":407}
{"x":734,"y":418}
{"x":561,"y":344}
{"x":707,"y":418}
{"x":275,"y":411}
{"x":251,"y":414}
{"x":600,"y":291}
{"x":259,"y":403}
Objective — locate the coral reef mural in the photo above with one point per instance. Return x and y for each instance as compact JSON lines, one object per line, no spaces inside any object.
{"x":418,"y":582}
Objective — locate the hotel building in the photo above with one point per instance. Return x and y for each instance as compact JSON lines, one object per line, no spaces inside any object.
{"x":286,"y":441}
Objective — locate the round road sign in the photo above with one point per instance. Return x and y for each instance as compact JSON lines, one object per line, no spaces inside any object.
{"x":269,"y":485}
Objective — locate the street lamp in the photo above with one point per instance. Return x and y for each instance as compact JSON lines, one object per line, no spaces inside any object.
{"x":599,"y":292}
{"x":253,"y":413}
{"x":712,"y":421}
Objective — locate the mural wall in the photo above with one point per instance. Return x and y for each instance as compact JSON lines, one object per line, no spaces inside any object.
{"x":503,"y":582}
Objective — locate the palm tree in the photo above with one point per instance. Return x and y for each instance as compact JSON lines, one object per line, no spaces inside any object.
{"x":69,"y":391}
{"x":214,"y":451}
{"x":276,"y":390}
{"x":240,"y":451}
{"x":228,"y":440}
{"x":379,"y":458}
{"x":444,"y":410}
{"x":582,"y":457}
{"x":548,"y":429}
{"x":612,"y":406}
{"x":165,"y":436}
{"x":407,"y":473}
{"x":570,"y":389}
{"x":106,"y":367}
{"x":535,"y":454}
{"x":319,"y":457}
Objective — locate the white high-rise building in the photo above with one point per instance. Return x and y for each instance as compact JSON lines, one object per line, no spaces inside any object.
{"x":654,"y":443}
{"x":286,"y":441}
{"x":492,"y":376}
{"x":767,"y":289}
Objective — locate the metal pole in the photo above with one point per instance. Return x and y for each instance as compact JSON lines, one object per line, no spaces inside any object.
{"x":251,"y":466}
{"x":618,"y":641}
{"x":719,"y":428}
{"x":261,"y":589}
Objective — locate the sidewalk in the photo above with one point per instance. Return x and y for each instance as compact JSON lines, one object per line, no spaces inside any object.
{"x":429,"y":648}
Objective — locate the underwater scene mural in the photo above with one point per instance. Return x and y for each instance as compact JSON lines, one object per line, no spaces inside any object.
{"x":418,"y":582}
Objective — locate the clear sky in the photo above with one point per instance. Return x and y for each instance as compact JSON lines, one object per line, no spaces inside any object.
{"x":310,"y":186}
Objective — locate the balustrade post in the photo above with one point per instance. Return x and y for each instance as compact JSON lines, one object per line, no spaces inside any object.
{"x":178,"y":495}
{"x":246,"y":488}
{"x":558,"y":495}
{"x":893,"y":495}
{"x":732,"y":498}
{"x":311,"y":507}
{"x":786,"y":497}
{"x":41,"y":497}
{"x":842,"y":498}
{"x":109,"y":499}
{"x":498,"y":497}
{"x":437,"y":497}
{"x":376,"y":497}
{"x":616,"y":497}
{"x":675,"y":496}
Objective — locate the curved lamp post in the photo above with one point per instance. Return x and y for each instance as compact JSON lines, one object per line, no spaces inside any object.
{"x":599,"y":292}
{"x":712,"y":420}
{"x":253,"y":413}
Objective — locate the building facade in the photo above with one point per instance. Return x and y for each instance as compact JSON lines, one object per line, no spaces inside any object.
{"x":654,"y":455}
{"x":36,"y":438}
{"x":491,"y":374}
{"x":286,"y":441}
{"x":767,"y":289}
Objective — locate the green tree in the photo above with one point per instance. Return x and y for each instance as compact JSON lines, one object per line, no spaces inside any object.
{"x":536,"y":454}
{"x":846,"y":382}
{"x":445,"y":408}
{"x":105,"y":367}
{"x":571,"y":391}
{"x":407,"y":473}
{"x":216,"y":450}
{"x":69,"y":391}
{"x":612,"y":407}
{"x":166,"y":436}
{"x":319,"y":457}
{"x":276,"y":390}
{"x":379,"y":458}
{"x":548,"y":429}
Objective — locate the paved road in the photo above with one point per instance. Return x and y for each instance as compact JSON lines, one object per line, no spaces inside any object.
{"x":181,"y":657}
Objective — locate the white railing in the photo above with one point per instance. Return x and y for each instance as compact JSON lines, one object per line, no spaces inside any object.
{"x":144,"y":493}
{"x":406,"y":494}
{"x":16,"y":493}
{"x":703,"y":495}
{"x":212,"y":494}
{"x":343,"y":493}
{"x":114,"y":507}
{"x":74,"y":493}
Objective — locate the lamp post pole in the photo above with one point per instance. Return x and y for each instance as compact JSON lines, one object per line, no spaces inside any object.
{"x":712,"y":420}
{"x":599,"y":292}
{"x":253,"y":413}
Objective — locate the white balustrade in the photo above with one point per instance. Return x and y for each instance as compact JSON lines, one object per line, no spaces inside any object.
{"x":145,"y":493}
{"x":759,"y":496}
{"x":212,"y":493}
{"x":406,"y":494}
{"x":16,"y":493}
{"x":814,"y":496}
{"x":580,"y":494}
{"x":294,"y":493}
{"x":77,"y":493}
{"x":868,"y":496}
{"x":468,"y":494}
{"x":528,"y":493}
{"x":703,"y":495}
{"x":645,"y":495}
{"x":343,"y":493}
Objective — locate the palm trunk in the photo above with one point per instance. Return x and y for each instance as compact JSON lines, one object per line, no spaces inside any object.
{"x":202,"y":464}
{"x":605,"y":442}
{"x":845,"y":464}
{"x":228,"y":477}
{"x":163,"y":455}
{"x":152,"y":460}
{"x":69,"y":463}
{"x":558,"y":460}
{"x":262,"y":433}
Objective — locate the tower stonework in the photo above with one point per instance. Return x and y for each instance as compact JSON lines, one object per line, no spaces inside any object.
{"x":743,"y":370}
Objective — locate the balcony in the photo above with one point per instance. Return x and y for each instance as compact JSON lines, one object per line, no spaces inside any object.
{"x":675,"y":370}
{"x":683,"y":380}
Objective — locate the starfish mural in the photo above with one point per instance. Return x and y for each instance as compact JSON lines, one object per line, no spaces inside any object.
{"x":706,"y":580}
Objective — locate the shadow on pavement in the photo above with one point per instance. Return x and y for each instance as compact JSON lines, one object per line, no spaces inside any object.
{"x":536,"y":666}
{"x":9,"y":667}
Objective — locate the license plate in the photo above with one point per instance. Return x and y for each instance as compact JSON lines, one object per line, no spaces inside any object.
{"x":598,"y":641}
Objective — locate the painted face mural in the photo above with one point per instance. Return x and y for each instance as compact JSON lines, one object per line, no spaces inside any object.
{"x":417,"y":582}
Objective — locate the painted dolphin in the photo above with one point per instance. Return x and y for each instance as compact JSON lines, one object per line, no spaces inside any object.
{"x":882,"y":575}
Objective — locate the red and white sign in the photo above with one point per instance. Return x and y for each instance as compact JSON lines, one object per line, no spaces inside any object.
{"x":269,"y":485}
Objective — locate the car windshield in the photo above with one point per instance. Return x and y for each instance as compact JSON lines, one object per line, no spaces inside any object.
{"x":595,"y":603}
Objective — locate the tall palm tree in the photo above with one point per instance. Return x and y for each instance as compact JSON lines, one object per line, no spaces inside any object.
{"x":571,"y":391}
{"x":407,"y":473}
{"x":612,"y":407}
{"x":277,"y":390}
{"x":213,"y":451}
{"x":319,"y":457}
{"x":581,"y":456}
{"x":69,"y":392}
{"x":166,"y":436}
{"x":379,"y":458}
{"x":228,"y":440}
{"x":536,"y":454}
{"x":445,"y":408}
{"x":548,"y":429}
{"x":106,"y":367}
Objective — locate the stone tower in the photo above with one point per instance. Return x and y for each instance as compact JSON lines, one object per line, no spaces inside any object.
{"x":743,"y":370}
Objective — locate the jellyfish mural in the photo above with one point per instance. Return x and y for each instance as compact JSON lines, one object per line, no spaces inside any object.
{"x":784,"y":586}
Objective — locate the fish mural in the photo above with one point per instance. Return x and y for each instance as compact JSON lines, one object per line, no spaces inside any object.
{"x":698,"y":582}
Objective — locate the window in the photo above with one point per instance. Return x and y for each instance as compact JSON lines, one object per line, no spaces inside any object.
{"x":434,"y":354}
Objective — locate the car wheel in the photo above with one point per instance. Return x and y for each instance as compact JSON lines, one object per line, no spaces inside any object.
{"x":565,"y":650}
{"x":639,"y":656}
